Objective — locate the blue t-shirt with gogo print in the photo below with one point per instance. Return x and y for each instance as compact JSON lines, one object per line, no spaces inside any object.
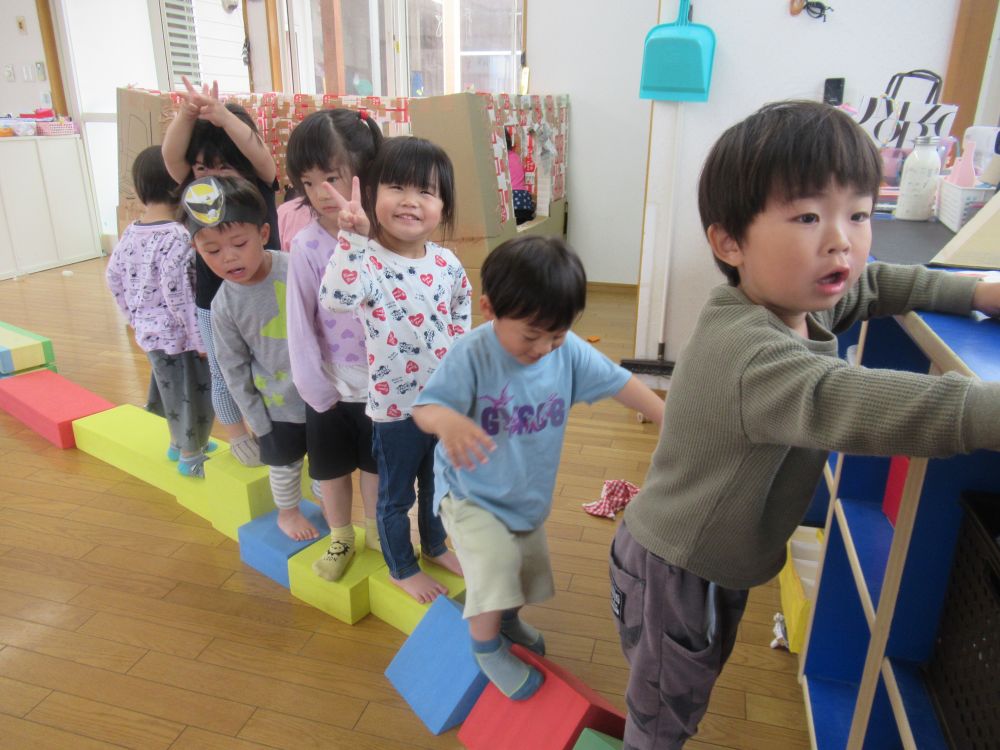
{"x":524,"y":409}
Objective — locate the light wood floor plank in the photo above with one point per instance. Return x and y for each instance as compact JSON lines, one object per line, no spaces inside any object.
{"x":101,"y":721}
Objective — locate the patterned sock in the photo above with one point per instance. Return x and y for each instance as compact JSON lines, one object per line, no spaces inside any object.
{"x":512,"y":626}
{"x":246,"y":450}
{"x":174,"y":453}
{"x":372,"y":540}
{"x":192,"y":466}
{"x":333,"y":564}
{"x":513,"y":677}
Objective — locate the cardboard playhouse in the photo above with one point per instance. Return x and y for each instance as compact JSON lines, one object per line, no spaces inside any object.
{"x":469,"y":126}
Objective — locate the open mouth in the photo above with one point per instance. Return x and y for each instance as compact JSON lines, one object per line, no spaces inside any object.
{"x":835,"y":279}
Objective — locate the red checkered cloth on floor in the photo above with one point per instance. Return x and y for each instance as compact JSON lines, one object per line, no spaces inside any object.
{"x":614,"y":497}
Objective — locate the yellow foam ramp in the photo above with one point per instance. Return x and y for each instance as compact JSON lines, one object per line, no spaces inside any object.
{"x":346,"y":599}
{"x":394,"y":606}
{"x":135,"y":441}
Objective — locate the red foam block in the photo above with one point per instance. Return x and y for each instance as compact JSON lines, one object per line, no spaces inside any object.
{"x":552,"y":719}
{"x":894,"y":487}
{"x":48,"y":403}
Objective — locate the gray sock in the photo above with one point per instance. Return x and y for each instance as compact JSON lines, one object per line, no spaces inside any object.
{"x":512,"y":626}
{"x":512,"y":677}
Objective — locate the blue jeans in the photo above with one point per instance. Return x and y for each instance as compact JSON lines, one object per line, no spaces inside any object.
{"x":404,"y":454}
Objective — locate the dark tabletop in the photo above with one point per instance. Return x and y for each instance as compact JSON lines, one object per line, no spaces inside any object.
{"x":908,"y":242}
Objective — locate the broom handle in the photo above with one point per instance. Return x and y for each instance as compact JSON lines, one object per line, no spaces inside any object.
{"x":672,"y":232}
{"x":684,"y":13}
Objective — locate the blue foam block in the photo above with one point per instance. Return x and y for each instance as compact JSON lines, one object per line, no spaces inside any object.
{"x":435,"y":671}
{"x":264,"y":547}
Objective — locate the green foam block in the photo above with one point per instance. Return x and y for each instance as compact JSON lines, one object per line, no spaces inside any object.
{"x":592,"y":740}
{"x":346,"y":599}
{"x":394,"y":606}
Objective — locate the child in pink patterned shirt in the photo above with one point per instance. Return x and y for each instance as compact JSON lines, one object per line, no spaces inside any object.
{"x":413,"y":298}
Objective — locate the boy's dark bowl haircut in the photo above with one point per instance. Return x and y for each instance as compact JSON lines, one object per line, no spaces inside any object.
{"x":243,"y":193}
{"x":214,"y":145}
{"x":539,"y":279}
{"x":406,"y":160}
{"x":338,"y":138}
{"x":785,"y":150}
{"x":152,"y":181}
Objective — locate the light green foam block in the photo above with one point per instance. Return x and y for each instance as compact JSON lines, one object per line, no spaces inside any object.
{"x":394,"y":606}
{"x":346,"y":599}
{"x":27,"y":349}
{"x":135,"y":441}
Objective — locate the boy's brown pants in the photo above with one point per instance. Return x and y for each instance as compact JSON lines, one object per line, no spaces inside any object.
{"x":676,"y":630}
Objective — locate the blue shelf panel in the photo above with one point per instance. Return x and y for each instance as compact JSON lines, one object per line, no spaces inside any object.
{"x":831,"y":707}
{"x":976,"y":342}
{"x":840,"y":635}
{"x":917,"y":705}
{"x":871,"y":533}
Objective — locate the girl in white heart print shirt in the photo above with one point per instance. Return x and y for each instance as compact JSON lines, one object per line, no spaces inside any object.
{"x":413,"y":298}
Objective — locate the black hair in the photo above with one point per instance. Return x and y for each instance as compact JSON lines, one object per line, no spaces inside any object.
{"x":214,"y":146}
{"x":406,"y":160}
{"x":152,"y":181}
{"x":540,"y":279}
{"x":784,"y":151}
{"x":242,"y":193}
{"x":332,"y":139}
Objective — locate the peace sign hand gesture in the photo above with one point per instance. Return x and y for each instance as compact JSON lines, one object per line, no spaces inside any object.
{"x":351,"y":216}
{"x":204,"y":104}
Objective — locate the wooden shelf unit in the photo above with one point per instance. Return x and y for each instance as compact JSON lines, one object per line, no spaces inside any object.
{"x":881,"y":588}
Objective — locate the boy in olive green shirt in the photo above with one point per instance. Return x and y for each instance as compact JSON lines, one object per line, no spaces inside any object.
{"x":760,"y":397}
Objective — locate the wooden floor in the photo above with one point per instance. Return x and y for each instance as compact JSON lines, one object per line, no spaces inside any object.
{"x":126,"y":621}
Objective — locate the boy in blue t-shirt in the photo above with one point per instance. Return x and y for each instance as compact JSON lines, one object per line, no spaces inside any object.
{"x":498,"y":404}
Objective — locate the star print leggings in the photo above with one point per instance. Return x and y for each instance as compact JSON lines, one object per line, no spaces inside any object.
{"x":181,"y":392}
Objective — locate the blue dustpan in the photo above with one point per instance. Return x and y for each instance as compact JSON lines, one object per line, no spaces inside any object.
{"x":677,"y":60}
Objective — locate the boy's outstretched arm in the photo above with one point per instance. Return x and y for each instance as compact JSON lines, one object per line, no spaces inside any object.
{"x":459,"y":435}
{"x":986,"y":298}
{"x":637,"y":396}
{"x":176,"y":140}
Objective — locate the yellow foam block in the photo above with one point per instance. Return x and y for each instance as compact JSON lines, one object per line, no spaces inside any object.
{"x":20,"y":352}
{"x":394,"y":606}
{"x":795,"y":602}
{"x":136,"y":442}
{"x":346,"y":599}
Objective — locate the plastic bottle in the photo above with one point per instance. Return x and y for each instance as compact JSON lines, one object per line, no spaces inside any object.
{"x":919,"y":181}
{"x":963,"y":173}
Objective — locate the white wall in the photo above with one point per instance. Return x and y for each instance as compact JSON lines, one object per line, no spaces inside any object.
{"x":592,"y":50}
{"x":20,"y":50}
{"x":761,"y":55}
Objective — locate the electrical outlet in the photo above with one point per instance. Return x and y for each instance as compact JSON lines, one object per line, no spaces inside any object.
{"x":8,"y":73}
{"x":28,"y":73}
{"x":40,"y":71}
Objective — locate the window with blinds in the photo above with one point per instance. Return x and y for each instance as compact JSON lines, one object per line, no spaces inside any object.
{"x":181,"y":40}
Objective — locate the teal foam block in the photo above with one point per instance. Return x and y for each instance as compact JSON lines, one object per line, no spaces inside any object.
{"x":266,"y":548}
{"x":435,"y":671}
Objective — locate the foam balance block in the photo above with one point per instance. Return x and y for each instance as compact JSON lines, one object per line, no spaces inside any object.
{"x":394,"y":606}
{"x":49,"y":403}
{"x":346,"y":599}
{"x":435,"y":671}
{"x":552,"y":719}
{"x":50,"y":368}
{"x":23,"y":350}
{"x":266,"y":548}
{"x":136,"y":441}
{"x":591,"y":740}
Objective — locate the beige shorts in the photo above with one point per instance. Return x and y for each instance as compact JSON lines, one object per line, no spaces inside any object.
{"x":503,"y":568}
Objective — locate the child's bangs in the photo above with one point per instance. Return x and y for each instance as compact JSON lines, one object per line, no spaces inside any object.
{"x":420,"y":171}
{"x":826,"y":149}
